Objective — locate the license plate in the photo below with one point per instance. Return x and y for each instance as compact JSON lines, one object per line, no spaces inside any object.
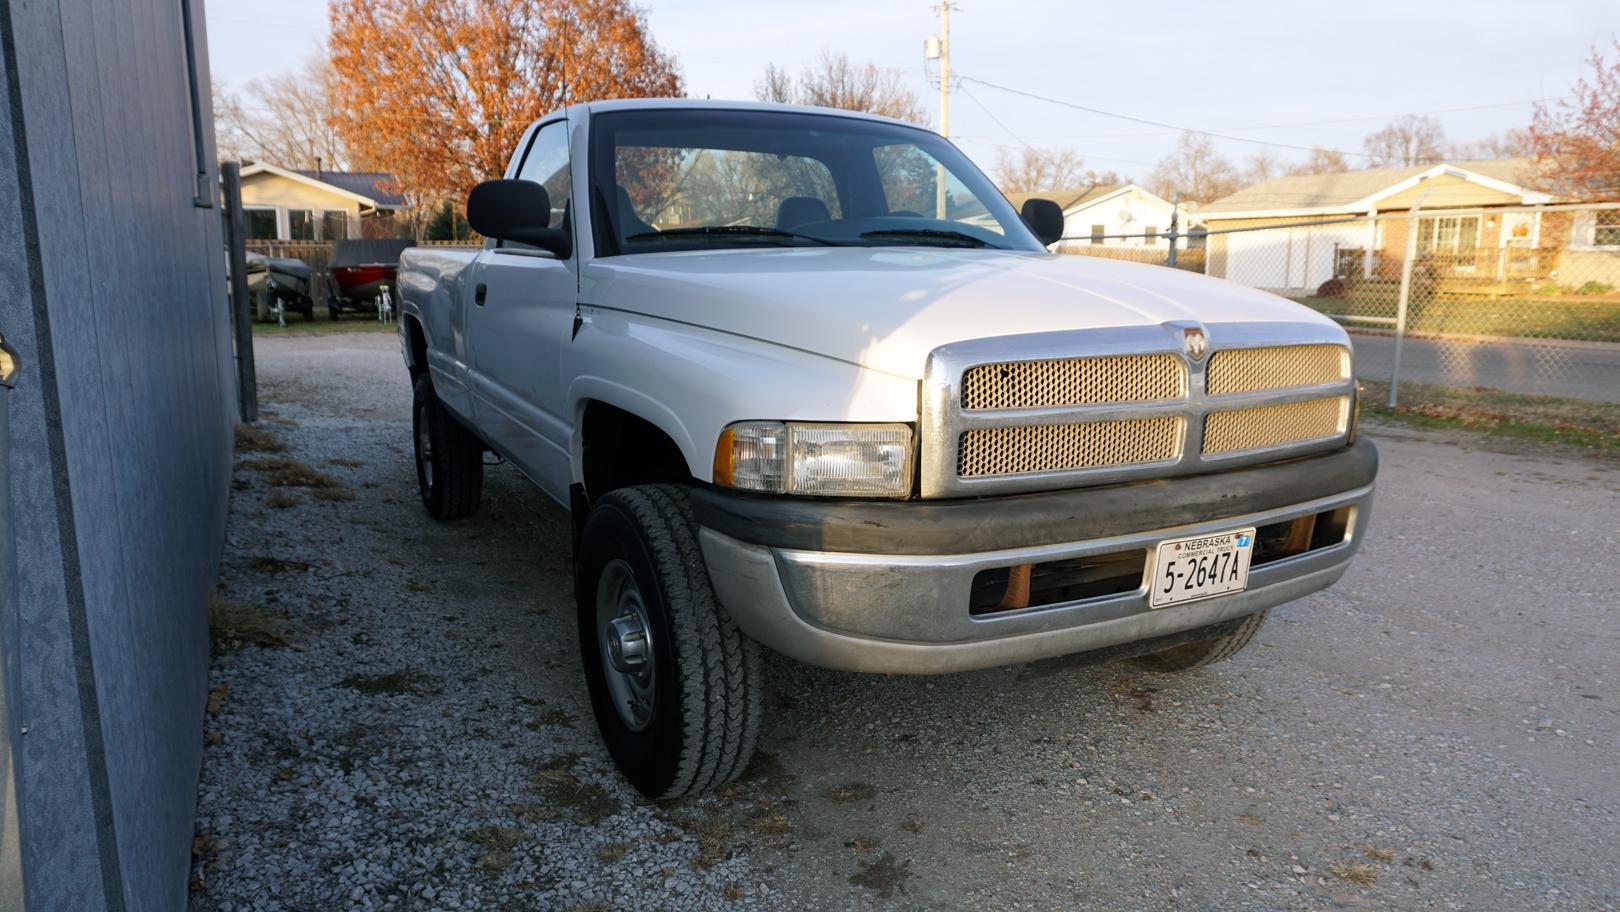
{"x":1188,"y":569}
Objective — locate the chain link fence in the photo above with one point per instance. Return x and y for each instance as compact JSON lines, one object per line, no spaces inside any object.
{"x":1520,"y":301}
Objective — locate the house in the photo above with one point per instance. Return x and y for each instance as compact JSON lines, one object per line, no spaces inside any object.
{"x":287,"y":205}
{"x":1095,"y":217}
{"x":1481,"y":228}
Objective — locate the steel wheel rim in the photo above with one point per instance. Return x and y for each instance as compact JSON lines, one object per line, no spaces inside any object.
{"x":424,"y":446}
{"x":624,"y":638}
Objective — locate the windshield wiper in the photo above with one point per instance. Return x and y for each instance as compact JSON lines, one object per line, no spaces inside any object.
{"x":954,"y":238}
{"x":756,"y":230}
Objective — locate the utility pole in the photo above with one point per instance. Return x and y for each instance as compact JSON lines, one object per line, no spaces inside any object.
{"x":944,"y":100}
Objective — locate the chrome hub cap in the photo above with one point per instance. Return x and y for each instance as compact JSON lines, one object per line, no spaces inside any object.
{"x":625,"y":637}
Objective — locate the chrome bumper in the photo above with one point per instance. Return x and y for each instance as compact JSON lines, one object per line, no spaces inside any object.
{"x":908,"y":613}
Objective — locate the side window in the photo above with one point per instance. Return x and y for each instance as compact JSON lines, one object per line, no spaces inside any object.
{"x":1097,"y":232}
{"x":547,"y":165}
{"x":1151,"y":235}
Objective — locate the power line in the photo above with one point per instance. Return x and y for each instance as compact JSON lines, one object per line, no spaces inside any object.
{"x":1144,"y":120}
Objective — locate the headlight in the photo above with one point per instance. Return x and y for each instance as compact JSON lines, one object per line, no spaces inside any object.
{"x":828,"y":460}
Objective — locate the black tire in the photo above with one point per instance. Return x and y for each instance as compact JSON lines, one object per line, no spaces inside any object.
{"x":1197,"y":654}
{"x":450,"y":474}
{"x":332,"y":312}
{"x":307,"y":308}
{"x":706,"y":694}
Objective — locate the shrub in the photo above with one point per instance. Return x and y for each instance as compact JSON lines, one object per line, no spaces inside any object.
{"x":1595,"y":288}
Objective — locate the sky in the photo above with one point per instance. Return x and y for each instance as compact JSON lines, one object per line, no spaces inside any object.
{"x":1308,"y":73}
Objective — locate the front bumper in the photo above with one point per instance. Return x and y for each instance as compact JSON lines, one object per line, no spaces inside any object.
{"x":883,"y":587}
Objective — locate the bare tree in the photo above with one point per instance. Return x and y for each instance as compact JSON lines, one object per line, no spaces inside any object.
{"x":833,"y":82}
{"x":1262,"y":165}
{"x":1414,"y":139}
{"x":1508,"y":144}
{"x":1322,"y":160}
{"x":1195,"y":170}
{"x":281,"y":120}
{"x":1038,"y":169}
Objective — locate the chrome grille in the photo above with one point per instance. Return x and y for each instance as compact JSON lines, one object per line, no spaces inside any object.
{"x":1065,"y":447}
{"x":1248,"y":370}
{"x":1038,"y":411}
{"x":1073,"y":381}
{"x":1240,"y":430}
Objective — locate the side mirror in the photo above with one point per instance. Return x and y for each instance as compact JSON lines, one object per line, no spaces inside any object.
{"x":1045,"y":218}
{"x":515,"y":210}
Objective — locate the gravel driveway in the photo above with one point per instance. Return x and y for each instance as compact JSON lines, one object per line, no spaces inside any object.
{"x":398,"y":719}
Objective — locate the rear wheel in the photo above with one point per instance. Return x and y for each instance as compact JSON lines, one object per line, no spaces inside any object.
{"x":449,"y":458}
{"x":674,"y":685}
{"x":1199,"y":653}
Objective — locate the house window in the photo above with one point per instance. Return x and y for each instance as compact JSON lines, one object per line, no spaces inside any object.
{"x":1606,"y":228}
{"x":300,"y":225}
{"x":1097,"y":232}
{"x":334,"y":225}
{"x":261,"y":224}
{"x":1150,"y":235}
{"x":1449,"y":234}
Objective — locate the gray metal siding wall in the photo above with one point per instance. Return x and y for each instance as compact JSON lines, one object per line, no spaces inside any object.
{"x":112,"y":289}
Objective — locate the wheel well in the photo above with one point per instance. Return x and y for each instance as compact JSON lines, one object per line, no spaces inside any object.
{"x":620,"y":449}
{"x":417,"y":340}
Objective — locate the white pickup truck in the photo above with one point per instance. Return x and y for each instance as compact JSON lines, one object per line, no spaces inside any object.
{"x":806,"y":380}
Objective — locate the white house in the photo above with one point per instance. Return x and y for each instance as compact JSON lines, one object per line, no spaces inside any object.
{"x":1096,"y":216}
{"x":1479,"y":219}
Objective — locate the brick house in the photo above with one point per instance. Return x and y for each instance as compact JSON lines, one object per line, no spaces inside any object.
{"x":1481,"y":230}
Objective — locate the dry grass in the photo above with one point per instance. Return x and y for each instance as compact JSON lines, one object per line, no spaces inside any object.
{"x":409,"y":681}
{"x":611,"y":852}
{"x":283,"y":472}
{"x":264,"y":563}
{"x":1377,"y":853}
{"x":250,"y":439}
{"x":849,"y":793}
{"x":496,"y":837}
{"x":713,"y":835}
{"x":1357,"y":873}
{"x":733,"y":891}
{"x":232,"y":626}
{"x":770,"y":822}
{"x":281,"y":500}
{"x":348,"y":462}
{"x":341,"y":495}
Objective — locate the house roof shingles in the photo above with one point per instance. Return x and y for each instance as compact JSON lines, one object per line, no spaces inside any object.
{"x":1322,"y":191}
{"x":365,"y":183}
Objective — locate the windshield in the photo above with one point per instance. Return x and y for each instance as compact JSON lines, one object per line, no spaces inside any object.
{"x":693,"y":179}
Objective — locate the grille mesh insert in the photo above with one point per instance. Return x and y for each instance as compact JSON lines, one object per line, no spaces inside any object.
{"x":1073,"y":381}
{"x":1064,"y":447}
{"x":1274,"y":425}
{"x":1247,"y":370}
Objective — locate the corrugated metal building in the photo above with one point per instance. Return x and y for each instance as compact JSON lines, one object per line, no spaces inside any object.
{"x":118,"y":463}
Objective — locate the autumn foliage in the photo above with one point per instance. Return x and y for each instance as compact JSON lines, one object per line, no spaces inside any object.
{"x":1577,"y":140}
{"x":438,"y":92}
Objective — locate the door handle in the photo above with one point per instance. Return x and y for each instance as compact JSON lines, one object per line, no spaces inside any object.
{"x":480,"y":293}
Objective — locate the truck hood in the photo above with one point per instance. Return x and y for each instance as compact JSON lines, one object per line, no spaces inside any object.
{"x":886,"y":308}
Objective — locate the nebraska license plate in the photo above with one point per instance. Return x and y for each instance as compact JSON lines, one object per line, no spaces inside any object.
{"x":1188,"y":569}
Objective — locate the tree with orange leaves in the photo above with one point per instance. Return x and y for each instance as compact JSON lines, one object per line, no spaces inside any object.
{"x":1577,"y":141}
{"x":438,"y":92}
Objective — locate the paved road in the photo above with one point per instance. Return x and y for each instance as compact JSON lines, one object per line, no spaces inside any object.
{"x":1440,"y":731}
{"x":1551,"y":369}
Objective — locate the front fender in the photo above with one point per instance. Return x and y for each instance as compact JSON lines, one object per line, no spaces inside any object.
{"x":691,"y":382}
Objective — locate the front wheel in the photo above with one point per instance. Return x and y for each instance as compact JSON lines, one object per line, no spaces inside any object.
{"x":1199,"y":653}
{"x":675,"y":686}
{"x":449,"y":458}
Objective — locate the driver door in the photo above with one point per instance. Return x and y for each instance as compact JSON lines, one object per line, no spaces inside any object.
{"x":520,"y":316}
